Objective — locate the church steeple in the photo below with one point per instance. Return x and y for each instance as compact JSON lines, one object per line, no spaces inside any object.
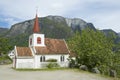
{"x":36,"y":39}
{"x":36,"y":28}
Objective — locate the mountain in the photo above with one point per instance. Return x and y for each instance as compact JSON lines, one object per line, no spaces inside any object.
{"x":52,"y":26}
{"x":119,"y":34}
{"x":108,"y":32}
{"x":3,"y":31}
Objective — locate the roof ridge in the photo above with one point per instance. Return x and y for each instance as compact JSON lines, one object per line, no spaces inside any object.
{"x":54,"y":39}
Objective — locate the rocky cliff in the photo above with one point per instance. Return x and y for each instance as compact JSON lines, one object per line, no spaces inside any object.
{"x":119,"y":34}
{"x":50,"y":24}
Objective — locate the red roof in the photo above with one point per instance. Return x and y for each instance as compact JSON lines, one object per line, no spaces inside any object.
{"x":53,"y":46}
{"x":24,"y":51}
{"x":36,"y":28}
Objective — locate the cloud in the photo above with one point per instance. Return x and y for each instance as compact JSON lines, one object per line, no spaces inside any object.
{"x":6,"y":21}
{"x":11,"y":21}
{"x":107,"y":20}
{"x":26,"y":8}
{"x":102,"y":13}
{"x":20,"y":10}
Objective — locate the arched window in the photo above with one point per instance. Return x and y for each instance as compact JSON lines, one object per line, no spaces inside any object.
{"x":62,"y":58}
{"x":30,"y":41}
{"x":38,"y":40}
{"x":42,"y":59}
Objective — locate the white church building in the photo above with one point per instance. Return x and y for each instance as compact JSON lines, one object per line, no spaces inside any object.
{"x":41,"y":50}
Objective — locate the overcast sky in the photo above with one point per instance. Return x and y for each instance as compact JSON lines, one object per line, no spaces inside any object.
{"x":104,"y":14}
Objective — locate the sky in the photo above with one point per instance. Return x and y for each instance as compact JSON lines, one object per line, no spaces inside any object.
{"x":104,"y":14}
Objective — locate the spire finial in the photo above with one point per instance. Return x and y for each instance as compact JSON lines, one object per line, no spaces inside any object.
{"x":36,"y":9}
{"x":36,"y":28}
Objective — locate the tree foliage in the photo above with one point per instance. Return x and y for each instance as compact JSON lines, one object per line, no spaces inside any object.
{"x":93,"y":48}
{"x":4,"y":48}
{"x":4,"y":45}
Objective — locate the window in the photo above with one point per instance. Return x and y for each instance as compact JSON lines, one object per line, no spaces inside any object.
{"x":38,"y":40}
{"x":42,"y":59}
{"x":62,"y":58}
{"x":30,"y":41}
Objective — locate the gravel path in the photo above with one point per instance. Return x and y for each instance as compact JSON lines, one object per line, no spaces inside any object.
{"x":7,"y":73}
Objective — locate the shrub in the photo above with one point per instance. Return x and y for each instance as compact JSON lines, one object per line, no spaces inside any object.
{"x":51,"y":60}
{"x":52,"y":65}
{"x":72,"y":63}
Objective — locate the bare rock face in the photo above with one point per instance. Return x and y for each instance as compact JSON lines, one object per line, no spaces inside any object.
{"x":83,"y":67}
{"x":49,"y":22}
{"x":95,"y":70}
{"x":20,"y":28}
{"x":77,"y":24}
{"x":119,"y":34}
{"x":56,"y":18}
{"x":75,"y":21}
{"x":113,"y":73}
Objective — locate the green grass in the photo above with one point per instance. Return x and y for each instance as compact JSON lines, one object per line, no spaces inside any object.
{"x":45,"y":69}
{"x":71,"y":69}
{"x":101,"y":75}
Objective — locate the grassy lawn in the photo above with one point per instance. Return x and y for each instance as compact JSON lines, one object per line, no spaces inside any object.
{"x":45,"y":69}
{"x":69,"y":69}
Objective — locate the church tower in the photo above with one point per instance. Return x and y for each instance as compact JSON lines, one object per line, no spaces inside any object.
{"x":36,"y":39}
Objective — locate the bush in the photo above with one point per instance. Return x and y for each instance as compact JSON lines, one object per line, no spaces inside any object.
{"x":95,"y":50}
{"x":51,"y":60}
{"x":72,"y":64}
{"x":52,"y":65}
{"x":5,"y":60}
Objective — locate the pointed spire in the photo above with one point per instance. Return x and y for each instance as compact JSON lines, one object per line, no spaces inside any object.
{"x":36,"y":28}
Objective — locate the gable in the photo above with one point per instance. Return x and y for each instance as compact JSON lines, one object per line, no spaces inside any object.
{"x":53,"y":46}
